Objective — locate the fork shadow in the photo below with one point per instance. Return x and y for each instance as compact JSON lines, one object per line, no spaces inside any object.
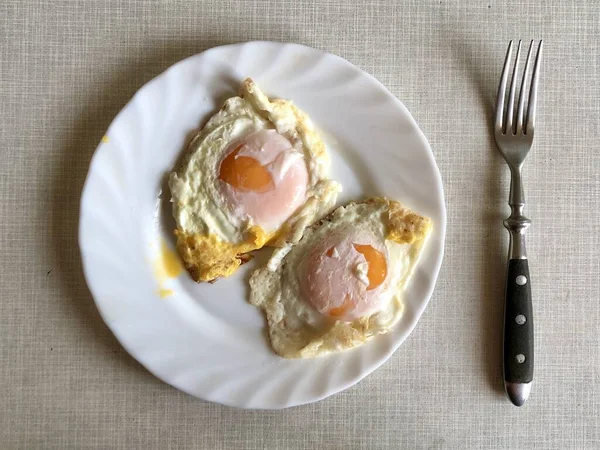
{"x":493,"y":240}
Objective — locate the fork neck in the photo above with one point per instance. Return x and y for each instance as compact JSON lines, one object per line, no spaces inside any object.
{"x":516,"y":197}
{"x":516,"y":223}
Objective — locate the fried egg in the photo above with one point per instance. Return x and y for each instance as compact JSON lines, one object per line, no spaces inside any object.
{"x":342,"y":283}
{"x":255,"y":175}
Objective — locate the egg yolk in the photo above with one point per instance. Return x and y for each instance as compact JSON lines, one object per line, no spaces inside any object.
{"x":341,"y":310}
{"x":377,"y":265}
{"x":343,"y":280}
{"x":263,"y":179}
{"x":245,"y":173}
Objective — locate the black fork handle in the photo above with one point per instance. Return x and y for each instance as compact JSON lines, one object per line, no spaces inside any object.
{"x":518,"y":332}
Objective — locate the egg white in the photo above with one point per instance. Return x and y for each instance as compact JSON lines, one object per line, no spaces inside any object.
{"x":296,"y":328}
{"x":199,"y":207}
{"x":214,"y":239}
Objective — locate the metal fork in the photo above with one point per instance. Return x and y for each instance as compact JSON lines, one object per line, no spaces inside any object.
{"x":514,"y":137}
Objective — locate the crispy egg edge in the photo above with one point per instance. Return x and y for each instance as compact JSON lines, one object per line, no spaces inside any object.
{"x":403,"y":227}
{"x":206,"y":256}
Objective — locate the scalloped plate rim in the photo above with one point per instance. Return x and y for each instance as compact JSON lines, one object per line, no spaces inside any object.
{"x":417,"y":313}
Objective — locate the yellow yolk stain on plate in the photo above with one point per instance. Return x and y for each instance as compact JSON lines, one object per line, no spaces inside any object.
{"x":105,"y":139}
{"x":165,"y":293}
{"x":170,"y":261}
{"x":166,"y":266}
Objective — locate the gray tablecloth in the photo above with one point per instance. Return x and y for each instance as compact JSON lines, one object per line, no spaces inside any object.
{"x":66,"y":69}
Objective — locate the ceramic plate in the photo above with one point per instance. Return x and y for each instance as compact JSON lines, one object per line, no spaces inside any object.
{"x":205,"y":339}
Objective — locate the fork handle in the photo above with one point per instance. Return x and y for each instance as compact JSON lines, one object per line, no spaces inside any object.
{"x":518,"y":332}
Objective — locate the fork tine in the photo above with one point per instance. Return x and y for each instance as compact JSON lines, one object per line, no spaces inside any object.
{"x":522,"y":93}
{"x":531,"y":106}
{"x":502,"y":89}
{"x":510,"y":110}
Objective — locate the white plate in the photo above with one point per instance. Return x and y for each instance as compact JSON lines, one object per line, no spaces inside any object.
{"x":206,"y":339}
